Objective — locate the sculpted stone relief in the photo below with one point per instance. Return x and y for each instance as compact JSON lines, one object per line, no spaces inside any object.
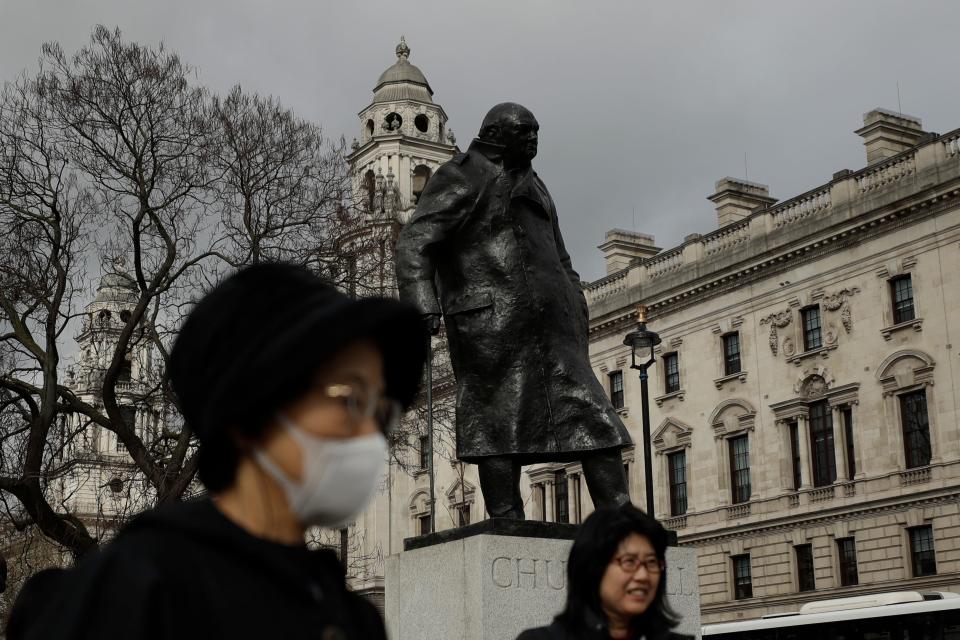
{"x":841,"y":300}
{"x":777,"y":321}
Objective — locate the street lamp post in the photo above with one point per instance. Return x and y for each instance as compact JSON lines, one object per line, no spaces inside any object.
{"x":641,"y":342}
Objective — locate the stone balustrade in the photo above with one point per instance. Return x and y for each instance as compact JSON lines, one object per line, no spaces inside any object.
{"x":765,"y":230}
{"x":801,"y":207}
{"x":884,"y":173}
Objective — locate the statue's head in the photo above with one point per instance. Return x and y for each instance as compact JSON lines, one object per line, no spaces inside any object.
{"x":512,"y":126}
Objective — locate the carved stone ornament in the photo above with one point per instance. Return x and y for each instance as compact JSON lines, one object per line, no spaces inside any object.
{"x":830,"y":335}
{"x":841,"y":300}
{"x":788,"y":347}
{"x":814,"y":387}
{"x":776,"y":321}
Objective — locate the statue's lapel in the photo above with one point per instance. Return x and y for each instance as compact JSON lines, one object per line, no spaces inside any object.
{"x":529,"y":187}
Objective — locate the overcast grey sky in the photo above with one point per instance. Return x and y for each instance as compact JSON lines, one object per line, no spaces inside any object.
{"x":642,"y":105}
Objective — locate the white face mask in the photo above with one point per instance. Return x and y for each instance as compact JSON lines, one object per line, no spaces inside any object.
{"x":340,"y":476}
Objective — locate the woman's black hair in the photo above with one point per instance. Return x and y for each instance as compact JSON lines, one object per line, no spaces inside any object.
{"x":596,"y":543}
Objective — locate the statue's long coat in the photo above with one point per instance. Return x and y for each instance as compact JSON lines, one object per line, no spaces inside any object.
{"x":484,"y":247}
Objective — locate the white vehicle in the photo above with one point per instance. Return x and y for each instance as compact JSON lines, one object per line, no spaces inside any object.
{"x":901,"y":615}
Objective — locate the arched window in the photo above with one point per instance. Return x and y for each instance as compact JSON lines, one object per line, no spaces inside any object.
{"x":369,"y":188}
{"x":421,"y":174}
{"x":369,"y":128}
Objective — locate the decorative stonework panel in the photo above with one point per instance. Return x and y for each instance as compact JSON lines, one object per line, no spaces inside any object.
{"x":776,"y":321}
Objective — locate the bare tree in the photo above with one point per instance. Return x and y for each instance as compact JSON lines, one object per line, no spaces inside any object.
{"x":115,"y":153}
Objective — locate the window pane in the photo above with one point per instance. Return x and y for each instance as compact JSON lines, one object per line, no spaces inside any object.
{"x":805,"y":574}
{"x":561,"y":503}
{"x":916,"y":429}
{"x":424,"y":452}
{"x":742,"y":582}
{"x":424,"y":525}
{"x":740,"y":468}
{"x":671,"y":372}
{"x":821,"y":444}
{"x":731,"y":354}
{"x":847,"y":555}
{"x":811,"y":328}
{"x":616,"y":389}
{"x":901,"y":290}
{"x":848,"y":436}
{"x":795,"y":454}
{"x":677,"y":470}
{"x":922,"y":552}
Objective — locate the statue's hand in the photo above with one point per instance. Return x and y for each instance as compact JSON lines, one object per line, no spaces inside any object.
{"x":432,"y":321}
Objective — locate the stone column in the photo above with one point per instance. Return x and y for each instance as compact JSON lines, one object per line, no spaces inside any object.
{"x":806,"y":464}
{"x":723,"y":475}
{"x":857,"y":441}
{"x":548,"y":496}
{"x":839,"y":444}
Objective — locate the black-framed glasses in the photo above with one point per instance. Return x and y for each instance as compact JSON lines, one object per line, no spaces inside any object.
{"x":363,"y":404}
{"x":630,"y":563}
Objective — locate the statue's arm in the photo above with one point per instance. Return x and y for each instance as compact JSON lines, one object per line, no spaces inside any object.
{"x":447,"y":200}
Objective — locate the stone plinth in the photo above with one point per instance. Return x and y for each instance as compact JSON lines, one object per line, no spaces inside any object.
{"x":491,"y":580}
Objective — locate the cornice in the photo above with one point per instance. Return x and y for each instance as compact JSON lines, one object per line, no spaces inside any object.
{"x":820,"y":517}
{"x":725,"y":281}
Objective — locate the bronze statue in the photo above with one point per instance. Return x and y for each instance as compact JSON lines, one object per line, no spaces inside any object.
{"x":483,"y":248}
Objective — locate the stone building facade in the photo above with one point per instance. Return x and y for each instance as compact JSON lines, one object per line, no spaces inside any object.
{"x":804,"y":400}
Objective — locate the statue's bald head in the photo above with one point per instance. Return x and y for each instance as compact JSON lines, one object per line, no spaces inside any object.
{"x":515,"y":128}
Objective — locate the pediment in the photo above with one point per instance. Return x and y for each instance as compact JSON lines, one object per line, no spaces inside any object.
{"x":671,"y":433}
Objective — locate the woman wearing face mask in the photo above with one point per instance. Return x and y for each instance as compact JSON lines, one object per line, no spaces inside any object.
{"x":616,"y":581}
{"x":290,"y":387}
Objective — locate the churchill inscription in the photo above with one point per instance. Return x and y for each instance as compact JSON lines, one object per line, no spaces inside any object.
{"x":529,"y":573}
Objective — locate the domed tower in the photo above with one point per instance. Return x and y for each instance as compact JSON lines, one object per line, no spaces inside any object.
{"x":97,"y":471}
{"x":404,"y":139}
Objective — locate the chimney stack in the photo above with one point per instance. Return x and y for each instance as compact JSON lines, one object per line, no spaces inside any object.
{"x":620,"y":248}
{"x":736,"y":199}
{"x":886,"y":133}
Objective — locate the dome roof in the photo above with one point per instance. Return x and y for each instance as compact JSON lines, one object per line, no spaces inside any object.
{"x":402,"y":81}
{"x":117,"y":286}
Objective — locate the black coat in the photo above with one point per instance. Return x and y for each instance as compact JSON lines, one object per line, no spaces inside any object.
{"x":557,"y":631}
{"x":484,"y":246}
{"x":187,"y":572}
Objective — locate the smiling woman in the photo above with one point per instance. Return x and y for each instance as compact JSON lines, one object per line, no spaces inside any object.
{"x":616,"y":576}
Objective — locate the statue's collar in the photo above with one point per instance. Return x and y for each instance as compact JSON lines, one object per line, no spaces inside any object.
{"x":490,"y":150}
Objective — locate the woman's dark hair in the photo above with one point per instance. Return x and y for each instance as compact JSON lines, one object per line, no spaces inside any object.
{"x":596,"y":543}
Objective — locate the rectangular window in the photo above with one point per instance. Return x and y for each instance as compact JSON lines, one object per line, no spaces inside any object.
{"x":805,"y":579}
{"x":423,"y":523}
{"x":821,"y":444}
{"x":677,"y":468}
{"x":847,"y":414}
{"x":616,"y":389}
{"x":129,"y":415}
{"x":742,"y":582}
{"x":901,"y":293}
{"x":344,"y":548}
{"x":847,"y":556}
{"x":561,"y":502}
{"x":731,"y":354}
{"x":463,"y":515}
{"x":671,"y":373}
{"x":921,"y":551}
{"x":740,"y":468}
{"x":424,"y":449}
{"x":812,"y":339}
{"x":916,"y":428}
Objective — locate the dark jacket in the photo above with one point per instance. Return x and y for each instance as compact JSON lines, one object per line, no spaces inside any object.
{"x":556,"y":631}
{"x":186,"y":571}
{"x":484,"y":246}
